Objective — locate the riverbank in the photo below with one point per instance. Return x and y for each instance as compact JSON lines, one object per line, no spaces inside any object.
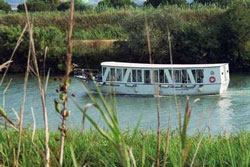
{"x":199,"y":34}
{"x":90,"y":148}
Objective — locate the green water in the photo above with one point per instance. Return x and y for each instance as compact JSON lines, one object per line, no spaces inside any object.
{"x":216,"y":113}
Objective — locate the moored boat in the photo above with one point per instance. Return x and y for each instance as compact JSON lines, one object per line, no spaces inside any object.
{"x":175,"y":79}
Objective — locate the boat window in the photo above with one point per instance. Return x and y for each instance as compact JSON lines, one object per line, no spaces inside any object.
{"x":124,"y":72}
{"x":129,"y":77}
{"x":112,"y":76}
{"x":198,"y":75}
{"x":147,"y":76}
{"x":162,"y":76}
{"x":177,"y":76}
{"x":136,"y":76}
{"x":156,"y":76}
{"x":133,"y":75}
{"x":103,"y":71}
{"x":118,"y":74}
{"x":185,"y":77}
{"x":139,"y":76}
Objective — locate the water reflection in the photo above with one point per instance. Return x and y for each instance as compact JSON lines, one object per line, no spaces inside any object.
{"x":225,"y":113}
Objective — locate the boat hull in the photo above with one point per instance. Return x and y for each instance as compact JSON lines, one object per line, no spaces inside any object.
{"x":163,"y":89}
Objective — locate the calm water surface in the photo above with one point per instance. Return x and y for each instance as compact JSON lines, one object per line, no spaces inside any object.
{"x":228,"y":112}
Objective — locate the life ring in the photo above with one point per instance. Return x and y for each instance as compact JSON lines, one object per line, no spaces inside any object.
{"x":212,"y":79}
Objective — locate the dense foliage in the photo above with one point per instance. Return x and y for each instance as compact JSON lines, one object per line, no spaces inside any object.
{"x":156,"y":3}
{"x":52,"y":5}
{"x":4,"y":6}
{"x":116,"y":3}
{"x":49,"y":37}
{"x":201,"y":34}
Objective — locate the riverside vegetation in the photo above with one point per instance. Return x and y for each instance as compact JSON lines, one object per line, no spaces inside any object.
{"x":91,"y":148}
{"x":199,"y":34}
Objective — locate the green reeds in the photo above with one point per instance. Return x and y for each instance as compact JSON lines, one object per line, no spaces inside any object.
{"x":93,"y":149}
{"x":109,"y":114}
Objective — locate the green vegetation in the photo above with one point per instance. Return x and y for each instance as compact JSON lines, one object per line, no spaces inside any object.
{"x":4,"y":6}
{"x":156,"y":3}
{"x":117,"y":4}
{"x":199,"y":34}
{"x":91,"y":148}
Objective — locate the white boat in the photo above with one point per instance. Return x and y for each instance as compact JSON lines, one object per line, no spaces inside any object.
{"x":166,"y":79}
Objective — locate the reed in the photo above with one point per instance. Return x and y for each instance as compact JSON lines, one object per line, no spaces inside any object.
{"x":66,"y":83}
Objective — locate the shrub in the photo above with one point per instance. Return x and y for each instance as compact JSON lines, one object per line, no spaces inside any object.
{"x":156,"y":3}
{"x":235,"y":36}
{"x":116,"y":3}
{"x":78,"y":6}
{"x":4,"y":6}
{"x":104,"y":31}
{"x":50,"y":37}
{"x":35,"y":6}
{"x":197,"y":43}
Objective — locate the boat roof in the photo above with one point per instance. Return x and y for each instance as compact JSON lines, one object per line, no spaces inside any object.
{"x":144,"y":65}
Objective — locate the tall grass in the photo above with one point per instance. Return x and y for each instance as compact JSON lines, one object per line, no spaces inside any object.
{"x":92,"y":149}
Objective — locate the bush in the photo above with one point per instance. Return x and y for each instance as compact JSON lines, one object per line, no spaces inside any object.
{"x":156,"y":3}
{"x":4,"y":6}
{"x":78,"y":6}
{"x":235,"y":36}
{"x":221,"y":3}
{"x":50,"y":37}
{"x":104,"y":31}
{"x":35,"y":6}
{"x":117,"y":4}
{"x":197,"y":43}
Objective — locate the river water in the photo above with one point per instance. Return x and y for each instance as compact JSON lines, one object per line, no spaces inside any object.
{"x":229,"y":112}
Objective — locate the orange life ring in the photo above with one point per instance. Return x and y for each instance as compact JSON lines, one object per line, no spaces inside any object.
{"x":212,"y":79}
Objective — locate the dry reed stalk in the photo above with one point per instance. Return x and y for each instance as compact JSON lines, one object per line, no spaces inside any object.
{"x":40,"y":86}
{"x":3,"y":114}
{"x":66,"y":83}
{"x":13,"y":53}
{"x":168,"y":137}
{"x":196,"y":151}
{"x":5,"y":91}
{"x":21,"y":115}
{"x":34,"y":124}
{"x":17,"y":117}
{"x":131,"y":155}
{"x":4,"y":65}
{"x":157,"y":96}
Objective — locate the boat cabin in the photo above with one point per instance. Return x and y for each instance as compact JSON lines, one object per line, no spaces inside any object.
{"x":176,"y":79}
{"x":116,"y":72}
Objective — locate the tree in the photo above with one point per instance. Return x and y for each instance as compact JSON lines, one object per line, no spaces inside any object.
{"x":35,"y":6}
{"x":79,"y":6}
{"x":4,"y":6}
{"x":221,"y":3}
{"x":156,"y":3}
{"x":235,"y":35}
{"x":116,"y":3}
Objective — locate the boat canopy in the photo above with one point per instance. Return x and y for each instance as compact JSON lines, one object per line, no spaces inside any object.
{"x":158,"y":66}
